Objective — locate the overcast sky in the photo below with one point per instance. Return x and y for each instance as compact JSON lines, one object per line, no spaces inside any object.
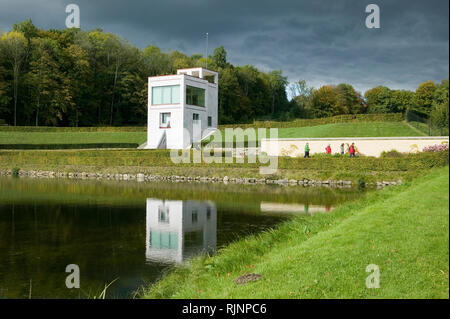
{"x":321,"y":41}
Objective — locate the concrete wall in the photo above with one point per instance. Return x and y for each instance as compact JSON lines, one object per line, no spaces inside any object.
{"x":368,"y":146}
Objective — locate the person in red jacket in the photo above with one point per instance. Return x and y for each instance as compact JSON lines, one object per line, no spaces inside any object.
{"x":328,"y":149}
{"x":352,"y":150}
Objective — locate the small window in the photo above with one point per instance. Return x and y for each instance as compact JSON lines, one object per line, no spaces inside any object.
{"x":163,"y":214}
{"x":195,"y":117}
{"x":209,"y":121}
{"x":194,"y":216}
{"x":164,"y":120}
{"x":208,"y":213}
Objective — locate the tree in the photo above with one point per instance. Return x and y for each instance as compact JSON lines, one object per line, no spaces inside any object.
{"x":378,"y":100}
{"x":348,"y":100}
{"x":324,"y":101}
{"x":402,"y":100}
{"x":440,"y":112}
{"x":277,"y":83}
{"x":219,"y":57}
{"x":301,"y":99}
{"x":4,"y":98}
{"x":78,"y":70}
{"x":50,"y":87}
{"x":423,"y":98}
{"x":14,"y":47}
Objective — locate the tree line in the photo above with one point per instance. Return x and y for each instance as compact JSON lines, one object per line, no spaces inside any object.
{"x":73,"y":77}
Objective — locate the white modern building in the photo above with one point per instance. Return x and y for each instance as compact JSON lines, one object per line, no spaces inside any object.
{"x":177,"y":103}
{"x":177,"y":230}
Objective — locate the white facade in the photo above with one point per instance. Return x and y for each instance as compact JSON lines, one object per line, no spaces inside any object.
{"x":177,"y":230}
{"x":176,"y":102}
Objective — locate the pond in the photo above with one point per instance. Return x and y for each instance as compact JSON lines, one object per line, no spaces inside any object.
{"x":128,"y":231}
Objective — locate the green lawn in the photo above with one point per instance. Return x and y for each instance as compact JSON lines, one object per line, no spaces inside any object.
{"x":329,"y":130}
{"x":71,"y":137}
{"x":404,"y":230}
{"x":369,"y":129}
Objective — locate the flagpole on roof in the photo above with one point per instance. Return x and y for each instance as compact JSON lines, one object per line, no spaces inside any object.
{"x":206,"y":50}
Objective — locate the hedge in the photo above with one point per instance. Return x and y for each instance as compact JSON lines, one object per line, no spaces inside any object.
{"x":73,"y":129}
{"x":161,"y":158}
{"x":347,"y":118}
{"x":66,"y":146}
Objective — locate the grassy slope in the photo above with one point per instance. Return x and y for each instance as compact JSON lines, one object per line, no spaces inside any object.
{"x":328,"y":130}
{"x":369,"y":129}
{"x":71,"y":137}
{"x":404,"y":230}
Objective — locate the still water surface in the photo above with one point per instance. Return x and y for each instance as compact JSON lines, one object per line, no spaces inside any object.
{"x":130,"y":231}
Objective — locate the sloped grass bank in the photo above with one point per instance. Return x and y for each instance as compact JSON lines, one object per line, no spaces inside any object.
{"x":404,"y":230}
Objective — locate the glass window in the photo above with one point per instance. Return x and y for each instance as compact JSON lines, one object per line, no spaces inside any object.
{"x":194,"y":216}
{"x":166,"y":94}
{"x":195,"y":117}
{"x":164,"y":119}
{"x":195,"y":96}
{"x":209,"y":121}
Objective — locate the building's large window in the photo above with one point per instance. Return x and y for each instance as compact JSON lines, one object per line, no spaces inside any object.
{"x":165,"y":94}
{"x":195,"y":96}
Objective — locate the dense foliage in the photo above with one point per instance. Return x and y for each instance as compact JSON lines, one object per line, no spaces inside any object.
{"x":73,"y":77}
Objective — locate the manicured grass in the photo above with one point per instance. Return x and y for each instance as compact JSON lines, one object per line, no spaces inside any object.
{"x":353,"y":129}
{"x":369,"y":129}
{"x":71,"y":137}
{"x":404,"y":230}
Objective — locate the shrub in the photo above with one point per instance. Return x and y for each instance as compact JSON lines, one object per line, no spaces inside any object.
{"x":436,"y":148}
{"x":66,"y":146}
{"x":15,"y":172}
{"x":392,"y":153}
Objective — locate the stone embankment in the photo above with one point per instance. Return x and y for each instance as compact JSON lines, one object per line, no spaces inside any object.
{"x":176,"y":178}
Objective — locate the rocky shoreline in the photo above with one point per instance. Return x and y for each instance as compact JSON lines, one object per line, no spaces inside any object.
{"x":204,"y":179}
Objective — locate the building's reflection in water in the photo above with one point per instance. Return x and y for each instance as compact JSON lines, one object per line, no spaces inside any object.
{"x":177,"y":230}
{"x":294,"y":208}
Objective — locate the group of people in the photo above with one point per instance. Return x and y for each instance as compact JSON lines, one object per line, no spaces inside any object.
{"x":351,"y":149}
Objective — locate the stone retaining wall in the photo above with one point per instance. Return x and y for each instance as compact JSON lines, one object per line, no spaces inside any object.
{"x":204,"y":179}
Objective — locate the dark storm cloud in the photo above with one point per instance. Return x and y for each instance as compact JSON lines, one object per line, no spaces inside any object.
{"x":320,"y":41}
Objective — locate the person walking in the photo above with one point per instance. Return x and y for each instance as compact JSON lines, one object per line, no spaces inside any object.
{"x":328,"y":149}
{"x":352,"y":150}
{"x":307,"y":150}
{"x":342,"y":149}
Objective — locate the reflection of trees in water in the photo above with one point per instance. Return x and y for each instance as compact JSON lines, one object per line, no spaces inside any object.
{"x":42,"y":240}
{"x":129,"y":193}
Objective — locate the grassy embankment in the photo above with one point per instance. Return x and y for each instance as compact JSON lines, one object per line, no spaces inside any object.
{"x":158,"y":162}
{"x":404,"y":230}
